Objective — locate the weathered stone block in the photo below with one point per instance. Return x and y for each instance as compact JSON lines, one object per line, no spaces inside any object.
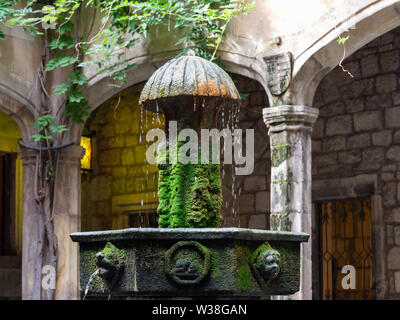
{"x":396,"y":136}
{"x":140,"y":184}
{"x":339,"y":125}
{"x":389,"y":193}
{"x":369,"y":66}
{"x":357,"y":88}
{"x":396,"y":98}
{"x":262,"y":201}
{"x":111,"y":157}
{"x":354,"y":105}
{"x":332,"y":109}
{"x":377,"y":102}
{"x":392,"y":216}
{"x":123,"y":185}
{"x":258,"y":222}
{"x":397,"y":281}
{"x":390,"y":61}
{"x":386,"y":83}
{"x":140,"y":154}
{"x":325,"y":160}
{"x":350,"y":157}
{"x":255,"y":183}
{"x":257,"y":99}
{"x":376,"y":154}
{"x":368,"y":120}
{"x":122,"y":127}
{"x":316,"y":146}
{"x":335,"y":143}
{"x":382,"y":138}
{"x":359,"y":141}
{"x":116,"y":142}
{"x":394,"y":259}
{"x":392,"y":117}
{"x":387,"y":176}
{"x":108,"y":130}
{"x":397,"y":235}
{"x":398,"y":192}
{"x":330,"y":91}
{"x":102,"y":183}
{"x":389,"y":235}
{"x":119,"y":172}
{"x":127,"y":157}
{"x":393,"y":153}
{"x":103,"y":208}
{"x":245,"y":203}
{"x":369,"y":166}
{"x":389,"y":167}
{"x":319,"y":128}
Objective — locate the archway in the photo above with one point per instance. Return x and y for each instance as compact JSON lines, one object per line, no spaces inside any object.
{"x":11,"y":180}
{"x":311,"y":66}
{"x":356,"y":154}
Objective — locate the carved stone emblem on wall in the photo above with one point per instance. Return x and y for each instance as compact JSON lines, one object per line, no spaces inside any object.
{"x":279,"y":72}
{"x":187,"y":263}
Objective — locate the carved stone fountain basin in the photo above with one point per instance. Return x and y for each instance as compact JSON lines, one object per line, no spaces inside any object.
{"x":214,"y":262}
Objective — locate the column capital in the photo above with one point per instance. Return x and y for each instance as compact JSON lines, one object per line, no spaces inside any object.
{"x":72,"y":154}
{"x":289,"y":117}
{"x":28,"y":156}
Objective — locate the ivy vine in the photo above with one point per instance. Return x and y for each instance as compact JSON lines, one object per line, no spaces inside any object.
{"x":200,"y":24}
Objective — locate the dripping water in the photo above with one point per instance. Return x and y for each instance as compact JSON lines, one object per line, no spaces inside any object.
{"x":89,"y":282}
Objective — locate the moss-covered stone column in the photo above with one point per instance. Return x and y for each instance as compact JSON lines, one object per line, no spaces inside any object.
{"x":290,"y":133}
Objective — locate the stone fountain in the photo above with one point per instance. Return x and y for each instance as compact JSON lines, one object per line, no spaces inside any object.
{"x":188,"y":255}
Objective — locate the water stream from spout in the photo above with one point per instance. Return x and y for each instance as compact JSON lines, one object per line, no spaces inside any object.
{"x":89,"y":282}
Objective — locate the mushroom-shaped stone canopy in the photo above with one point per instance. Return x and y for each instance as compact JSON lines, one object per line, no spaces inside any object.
{"x":188,"y":76}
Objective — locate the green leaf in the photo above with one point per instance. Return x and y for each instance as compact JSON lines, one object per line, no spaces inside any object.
{"x":64,"y":42}
{"x":37,"y":137}
{"x":342,"y":40}
{"x":62,"y":88}
{"x":78,"y":78}
{"x":65,"y":27}
{"x":75,"y":95}
{"x":60,"y":61}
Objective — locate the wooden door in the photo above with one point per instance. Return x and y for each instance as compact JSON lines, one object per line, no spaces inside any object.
{"x":345,"y":239}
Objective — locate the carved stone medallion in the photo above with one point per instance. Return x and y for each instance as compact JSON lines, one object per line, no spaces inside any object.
{"x":187,"y":263}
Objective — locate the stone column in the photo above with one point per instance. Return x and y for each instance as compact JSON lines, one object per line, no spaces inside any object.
{"x":290,"y":130}
{"x":66,"y":221}
{"x":67,"y":209}
{"x":32,"y":224}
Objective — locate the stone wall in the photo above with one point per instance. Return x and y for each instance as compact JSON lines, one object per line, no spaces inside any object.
{"x":252,"y":201}
{"x":119,"y":167}
{"x":358,"y":132}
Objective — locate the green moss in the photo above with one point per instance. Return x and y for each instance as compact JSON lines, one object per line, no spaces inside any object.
{"x":88,"y":267}
{"x":264,"y":247}
{"x":280,"y":153}
{"x":243,"y":279}
{"x":189,"y":194}
{"x":117,"y":256}
{"x":215,"y":264}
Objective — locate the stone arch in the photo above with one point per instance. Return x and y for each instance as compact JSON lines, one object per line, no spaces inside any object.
{"x":20,"y":109}
{"x":320,"y":58}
